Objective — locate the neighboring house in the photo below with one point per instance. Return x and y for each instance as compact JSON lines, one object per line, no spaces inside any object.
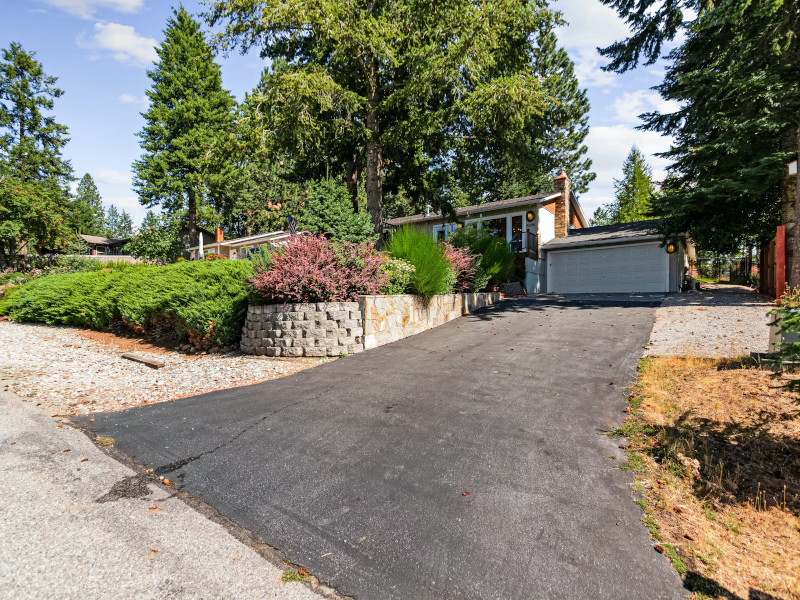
{"x":238,"y":247}
{"x":99,"y":246}
{"x":562,"y":254}
{"x":208,"y":238}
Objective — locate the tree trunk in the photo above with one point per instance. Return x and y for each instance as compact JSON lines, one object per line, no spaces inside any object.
{"x":794,"y":267}
{"x":374,"y":167}
{"x":351,"y":179}
{"x":191,"y":215}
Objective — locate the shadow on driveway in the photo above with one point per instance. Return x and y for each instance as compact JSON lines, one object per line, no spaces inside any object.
{"x":464,"y":462}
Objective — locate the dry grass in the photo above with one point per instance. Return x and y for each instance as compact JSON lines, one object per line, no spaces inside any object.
{"x":717,"y":450}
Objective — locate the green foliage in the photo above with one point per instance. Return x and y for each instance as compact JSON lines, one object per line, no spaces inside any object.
{"x":33,"y":175}
{"x":159,"y":239}
{"x":496,"y":264}
{"x":263,"y":256}
{"x":86,"y":213}
{"x":634,"y":193}
{"x":118,"y":224}
{"x":787,"y":317}
{"x":205,"y":300}
{"x":733,"y":80}
{"x":187,"y":155}
{"x":432,"y":273}
{"x":329,"y":209}
{"x":392,"y":89}
{"x":399,"y":274}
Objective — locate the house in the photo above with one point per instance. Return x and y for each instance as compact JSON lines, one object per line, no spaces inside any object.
{"x":99,"y":246}
{"x":237,"y":247}
{"x":562,"y":254}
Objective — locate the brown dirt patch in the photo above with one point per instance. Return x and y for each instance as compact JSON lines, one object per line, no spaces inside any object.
{"x":127,"y":343}
{"x":717,"y":449}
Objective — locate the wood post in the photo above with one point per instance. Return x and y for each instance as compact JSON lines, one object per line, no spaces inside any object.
{"x":780,"y":261}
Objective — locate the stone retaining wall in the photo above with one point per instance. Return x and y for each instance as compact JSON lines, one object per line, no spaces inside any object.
{"x":391,"y":318}
{"x":311,"y":329}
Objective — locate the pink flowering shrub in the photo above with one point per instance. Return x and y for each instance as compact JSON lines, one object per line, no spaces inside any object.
{"x":311,"y":268}
{"x":462,"y":264}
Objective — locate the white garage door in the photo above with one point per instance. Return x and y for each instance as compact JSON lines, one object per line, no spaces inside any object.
{"x":608,"y":270}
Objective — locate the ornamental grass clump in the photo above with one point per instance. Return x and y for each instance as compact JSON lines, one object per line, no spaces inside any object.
{"x":432,"y":272}
{"x":311,"y":268}
{"x":496,"y":263}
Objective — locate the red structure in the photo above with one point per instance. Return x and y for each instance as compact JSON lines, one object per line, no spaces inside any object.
{"x":773,"y":265}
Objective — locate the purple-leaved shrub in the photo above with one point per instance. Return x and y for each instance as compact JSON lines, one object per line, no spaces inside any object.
{"x":311,"y":268}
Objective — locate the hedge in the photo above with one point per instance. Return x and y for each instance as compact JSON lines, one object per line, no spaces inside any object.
{"x":204,"y":301}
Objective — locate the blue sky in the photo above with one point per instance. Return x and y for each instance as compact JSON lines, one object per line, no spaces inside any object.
{"x":100,"y":49}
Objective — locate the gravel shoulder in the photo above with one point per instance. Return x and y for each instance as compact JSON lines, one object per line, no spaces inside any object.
{"x":70,"y":371}
{"x":64,"y":536}
{"x":719,"y":321}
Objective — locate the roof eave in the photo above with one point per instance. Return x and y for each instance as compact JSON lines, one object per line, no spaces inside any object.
{"x":602,"y":242}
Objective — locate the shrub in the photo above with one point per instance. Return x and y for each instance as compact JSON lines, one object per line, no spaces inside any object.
{"x":204,"y":302}
{"x":329,"y":209}
{"x":159,"y":239}
{"x":432,"y":273}
{"x":311,"y":268}
{"x":215,"y":256}
{"x":399,"y":273}
{"x":262,"y":257}
{"x":462,"y":265}
{"x":497,"y":260}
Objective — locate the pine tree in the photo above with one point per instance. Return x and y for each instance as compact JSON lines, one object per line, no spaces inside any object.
{"x":118,"y":224}
{"x":551,"y":140}
{"x":735,"y":78}
{"x":86,"y":213}
{"x":186,"y":161}
{"x":34,"y":177}
{"x":633,"y":193}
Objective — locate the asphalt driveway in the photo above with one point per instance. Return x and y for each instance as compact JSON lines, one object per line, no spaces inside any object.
{"x":464,"y":462}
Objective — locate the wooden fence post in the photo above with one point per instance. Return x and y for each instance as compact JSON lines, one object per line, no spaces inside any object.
{"x":780,"y":261}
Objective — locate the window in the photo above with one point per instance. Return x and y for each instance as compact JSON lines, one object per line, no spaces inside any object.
{"x":516,"y":233}
{"x":442,"y":232}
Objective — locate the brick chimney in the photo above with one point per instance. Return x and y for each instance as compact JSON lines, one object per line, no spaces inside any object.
{"x":561,"y":186}
{"x":218,"y":233}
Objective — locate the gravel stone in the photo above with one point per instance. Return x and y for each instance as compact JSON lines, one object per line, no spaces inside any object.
{"x":66,"y":373}
{"x":720,"y":321}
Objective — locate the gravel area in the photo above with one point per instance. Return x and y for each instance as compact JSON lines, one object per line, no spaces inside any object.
{"x":718,"y":322}
{"x":69,"y":371}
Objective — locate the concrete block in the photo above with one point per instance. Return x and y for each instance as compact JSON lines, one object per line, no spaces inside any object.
{"x":293,"y":351}
{"x":304,"y":343}
{"x":315,"y":351}
{"x":346,"y":341}
{"x":283,"y":342}
{"x":273,"y":351}
{"x":293,"y":334}
{"x":266,"y":342}
{"x":274,"y":333}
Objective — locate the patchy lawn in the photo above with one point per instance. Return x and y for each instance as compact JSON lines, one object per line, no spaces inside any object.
{"x":716,"y":449}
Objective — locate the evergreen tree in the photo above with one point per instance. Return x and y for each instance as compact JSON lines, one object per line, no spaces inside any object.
{"x":735,"y":77}
{"x":633,"y":193}
{"x":158,"y":240}
{"x":328,"y":209}
{"x":550,"y":141}
{"x":34,"y":177}
{"x":186,"y":161}
{"x":397,"y":82}
{"x":118,"y":224}
{"x":86,"y":214}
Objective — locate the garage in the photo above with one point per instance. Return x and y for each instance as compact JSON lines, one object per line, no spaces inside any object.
{"x":612,"y":259}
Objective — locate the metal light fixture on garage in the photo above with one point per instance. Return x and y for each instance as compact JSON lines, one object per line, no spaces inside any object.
{"x":529,"y":216}
{"x":671,"y":248}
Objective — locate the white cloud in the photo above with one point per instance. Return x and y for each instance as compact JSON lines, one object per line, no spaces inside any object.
{"x":127,"y":203}
{"x":86,"y":8}
{"x":628,"y":106}
{"x":590,"y":25}
{"x":123,"y":42}
{"x":131,"y":99}
{"x":608,"y":147}
{"x":73,"y":187}
{"x":112,"y":176}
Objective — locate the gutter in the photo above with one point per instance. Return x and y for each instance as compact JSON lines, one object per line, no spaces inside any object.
{"x":603,"y":242}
